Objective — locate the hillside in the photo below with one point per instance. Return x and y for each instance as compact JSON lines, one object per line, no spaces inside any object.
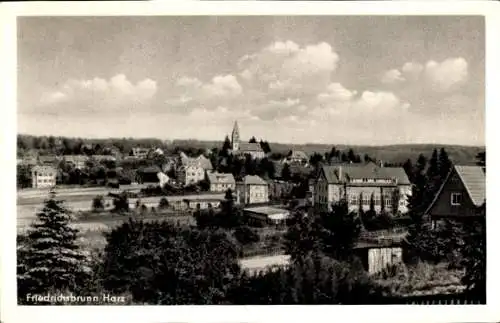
{"x":391,"y":154}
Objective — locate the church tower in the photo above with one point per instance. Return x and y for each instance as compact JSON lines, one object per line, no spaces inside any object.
{"x":235,"y":137}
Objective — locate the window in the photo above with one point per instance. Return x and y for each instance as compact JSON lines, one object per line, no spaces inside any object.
{"x":456,"y":198}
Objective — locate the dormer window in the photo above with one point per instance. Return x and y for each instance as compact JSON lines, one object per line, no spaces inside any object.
{"x":456,"y":198}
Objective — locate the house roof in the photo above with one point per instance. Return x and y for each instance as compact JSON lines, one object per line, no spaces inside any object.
{"x":253,"y":180}
{"x":200,"y":161}
{"x":48,"y":158}
{"x":104,"y":157}
{"x":76,"y":158}
{"x":342,"y":172}
{"x":151,"y":169}
{"x":40,"y":168}
{"x":474,"y":180}
{"x":250,"y":146}
{"x":298,"y":154}
{"x":267,"y":210}
{"x":223,"y":178}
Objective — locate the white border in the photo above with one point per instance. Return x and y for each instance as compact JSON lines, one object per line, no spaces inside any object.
{"x":11,"y":313}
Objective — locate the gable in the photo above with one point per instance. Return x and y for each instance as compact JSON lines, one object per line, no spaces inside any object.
{"x":442,"y":206}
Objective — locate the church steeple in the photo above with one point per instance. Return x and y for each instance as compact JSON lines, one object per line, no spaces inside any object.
{"x":235,"y":137}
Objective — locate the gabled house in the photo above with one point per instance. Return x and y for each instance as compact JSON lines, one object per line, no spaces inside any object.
{"x":140,"y":152}
{"x":43,"y":176}
{"x":296,"y":157}
{"x":220,"y":182}
{"x":251,"y":190}
{"x":192,"y":170}
{"x":78,"y":161}
{"x":461,"y":196}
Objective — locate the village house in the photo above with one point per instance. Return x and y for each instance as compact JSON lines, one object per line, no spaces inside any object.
{"x":296,"y":157}
{"x":78,"y":161}
{"x":149,"y":175}
{"x":239,"y":148}
{"x":140,"y":152}
{"x":43,"y":176}
{"x":358,"y":184}
{"x":192,"y":170}
{"x":220,"y":182}
{"x":267,"y":215}
{"x":251,"y":190}
{"x":460,"y":197}
{"x":202,"y":203}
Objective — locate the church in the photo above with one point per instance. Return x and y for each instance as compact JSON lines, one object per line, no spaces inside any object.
{"x":244,"y":148}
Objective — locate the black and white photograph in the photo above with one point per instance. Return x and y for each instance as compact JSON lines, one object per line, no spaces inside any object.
{"x":251,"y":160}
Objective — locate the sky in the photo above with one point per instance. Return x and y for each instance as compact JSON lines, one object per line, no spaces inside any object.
{"x":358,"y":80}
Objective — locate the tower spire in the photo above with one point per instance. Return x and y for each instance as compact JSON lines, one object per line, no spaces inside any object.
{"x":235,"y":137}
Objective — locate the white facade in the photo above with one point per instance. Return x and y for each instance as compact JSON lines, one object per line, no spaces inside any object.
{"x":190,"y":174}
{"x":252,"y":193}
{"x":43,"y":177}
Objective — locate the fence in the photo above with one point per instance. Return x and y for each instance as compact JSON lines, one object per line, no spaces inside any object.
{"x":438,"y":299}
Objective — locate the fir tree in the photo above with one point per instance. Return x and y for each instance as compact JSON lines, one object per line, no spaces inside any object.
{"x":49,"y":258}
{"x":226,"y":146}
{"x":445,"y":164}
{"x":286,"y":173}
{"x":416,"y":207}
{"x":338,"y":230}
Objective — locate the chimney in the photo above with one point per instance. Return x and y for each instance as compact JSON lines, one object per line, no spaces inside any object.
{"x":340,"y":173}
{"x":381,"y":164}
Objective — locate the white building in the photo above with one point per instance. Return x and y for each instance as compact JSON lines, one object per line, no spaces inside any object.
{"x":192,"y":170}
{"x":220,"y":182}
{"x":43,"y":176}
{"x":252,"y":190}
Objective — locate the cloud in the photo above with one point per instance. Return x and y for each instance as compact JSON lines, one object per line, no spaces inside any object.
{"x":336,"y":92}
{"x":117,"y":93}
{"x":412,"y":70}
{"x":444,"y":76}
{"x":219,"y":86}
{"x":287,"y":67}
{"x":392,"y":76}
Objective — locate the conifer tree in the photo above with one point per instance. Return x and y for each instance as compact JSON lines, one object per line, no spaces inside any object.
{"x":445,"y":164}
{"x":416,"y":208}
{"x":49,"y":258}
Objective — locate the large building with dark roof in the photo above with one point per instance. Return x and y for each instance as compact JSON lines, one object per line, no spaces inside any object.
{"x":359,"y":184}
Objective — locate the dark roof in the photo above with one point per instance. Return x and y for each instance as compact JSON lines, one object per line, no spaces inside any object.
{"x":226,"y":178}
{"x":342,"y":172}
{"x":151,"y":169}
{"x":250,"y":146}
{"x":254,"y":180}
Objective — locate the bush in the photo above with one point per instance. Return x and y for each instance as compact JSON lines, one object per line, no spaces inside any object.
{"x":163,"y":203}
{"x":245,"y":235}
{"x":98,"y":203}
